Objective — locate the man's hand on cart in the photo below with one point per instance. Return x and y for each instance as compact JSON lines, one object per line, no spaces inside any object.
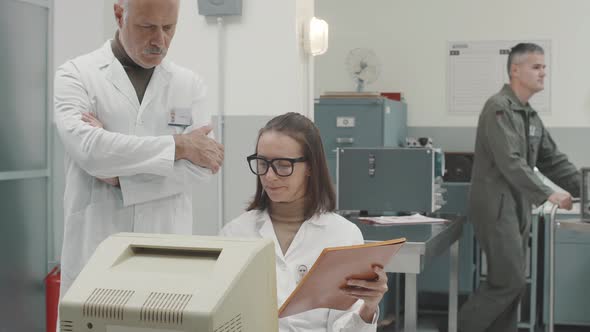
{"x":562,"y":199}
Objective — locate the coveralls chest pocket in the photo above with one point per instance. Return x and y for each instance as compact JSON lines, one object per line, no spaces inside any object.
{"x":534,"y":143}
{"x":519,"y":122}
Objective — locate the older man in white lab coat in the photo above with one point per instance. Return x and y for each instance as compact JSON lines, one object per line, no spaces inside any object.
{"x":135,"y":136}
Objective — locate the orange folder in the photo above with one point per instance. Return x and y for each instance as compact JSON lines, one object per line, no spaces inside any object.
{"x":321,"y":286}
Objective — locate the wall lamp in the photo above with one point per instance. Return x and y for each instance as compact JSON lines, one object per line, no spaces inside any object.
{"x":315,"y":36}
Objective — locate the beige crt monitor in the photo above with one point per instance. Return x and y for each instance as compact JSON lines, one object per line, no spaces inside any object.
{"x":164,"y":283}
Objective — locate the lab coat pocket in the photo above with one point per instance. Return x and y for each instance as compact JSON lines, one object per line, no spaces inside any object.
{"x":175,"y":130}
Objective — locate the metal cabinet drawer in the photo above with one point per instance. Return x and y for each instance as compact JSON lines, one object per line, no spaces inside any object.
{"x":349,"y":125}
{"x":572,"y":284}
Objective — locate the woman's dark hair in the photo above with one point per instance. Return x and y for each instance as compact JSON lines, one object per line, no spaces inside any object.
{"x":320,"y":196}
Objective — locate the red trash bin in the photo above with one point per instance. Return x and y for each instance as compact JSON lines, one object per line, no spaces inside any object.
{"x":52,"y":281}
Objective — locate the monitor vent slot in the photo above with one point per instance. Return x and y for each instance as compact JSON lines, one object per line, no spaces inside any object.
{"x":233,"y":325}
{"x":66,"y":326}
{"x":165,"y":308}
{"x":106,"y":303}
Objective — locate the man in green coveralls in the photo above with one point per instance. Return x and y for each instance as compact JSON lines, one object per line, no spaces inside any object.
{"x":511,"y":140}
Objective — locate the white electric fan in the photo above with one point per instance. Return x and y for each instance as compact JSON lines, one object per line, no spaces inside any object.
{"x":363,"y":66}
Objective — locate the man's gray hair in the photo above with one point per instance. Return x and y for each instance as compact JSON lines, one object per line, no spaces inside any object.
{"x":517,"y":52}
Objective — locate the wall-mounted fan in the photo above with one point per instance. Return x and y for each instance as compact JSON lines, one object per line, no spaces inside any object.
{"x":363,"y":66}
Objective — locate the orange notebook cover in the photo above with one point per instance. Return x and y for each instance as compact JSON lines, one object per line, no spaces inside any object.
{"x":320,"y":287}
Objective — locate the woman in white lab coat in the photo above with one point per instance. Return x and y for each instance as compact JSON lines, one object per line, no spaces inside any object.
{"x":293,"y":206}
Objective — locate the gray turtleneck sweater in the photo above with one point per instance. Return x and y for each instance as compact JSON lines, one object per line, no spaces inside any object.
{"x":139,"y":76}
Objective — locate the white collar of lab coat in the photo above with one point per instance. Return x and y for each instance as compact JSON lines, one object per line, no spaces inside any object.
{"x":117,"y":75}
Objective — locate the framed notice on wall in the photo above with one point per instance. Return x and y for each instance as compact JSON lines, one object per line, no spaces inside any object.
{"x":477,"y":69}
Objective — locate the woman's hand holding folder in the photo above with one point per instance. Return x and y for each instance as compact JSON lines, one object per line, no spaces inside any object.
{"x":371,"y":291}
{"x":341,"y":276}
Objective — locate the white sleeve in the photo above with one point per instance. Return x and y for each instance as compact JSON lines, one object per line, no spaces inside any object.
{"x":147,"y":187}
{"x":143,"y":188}
{"x":99,"y":152}
{"x":241,"y":226}
{"x":225,"y":231}
{"x":350,"y":320}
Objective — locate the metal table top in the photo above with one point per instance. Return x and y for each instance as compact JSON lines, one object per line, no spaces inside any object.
{"x":569,"y":219}
{"x":575,"y":225}
{"x":424,"y":242}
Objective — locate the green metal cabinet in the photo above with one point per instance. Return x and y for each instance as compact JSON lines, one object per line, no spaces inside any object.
{"x":359,"y":122}
{"x":435,"y":277}
{"x":572,"y":275}
{"x":387,"y":179}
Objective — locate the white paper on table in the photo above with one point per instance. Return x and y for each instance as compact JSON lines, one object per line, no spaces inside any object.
{"x":414,"y":219}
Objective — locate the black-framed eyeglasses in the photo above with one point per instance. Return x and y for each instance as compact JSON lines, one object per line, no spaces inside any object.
{"x":281,"y":166}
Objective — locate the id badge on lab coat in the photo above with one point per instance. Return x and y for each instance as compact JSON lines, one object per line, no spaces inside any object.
{"x":180,"y":117}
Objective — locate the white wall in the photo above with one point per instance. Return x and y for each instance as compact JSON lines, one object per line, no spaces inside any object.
{"x":77,"y":28}
{"x":109,"y":22}
{"x":410,"y":38}
{"x":263,"y":56}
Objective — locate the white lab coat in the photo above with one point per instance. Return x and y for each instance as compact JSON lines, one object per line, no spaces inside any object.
{"x":317,"y":233}
{"x":135,"y":145}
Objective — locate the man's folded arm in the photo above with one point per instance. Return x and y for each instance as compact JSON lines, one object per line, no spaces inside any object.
{"x":101,"y":153}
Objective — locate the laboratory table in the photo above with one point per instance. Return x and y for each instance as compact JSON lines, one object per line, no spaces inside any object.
{"x":424,"y":242}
